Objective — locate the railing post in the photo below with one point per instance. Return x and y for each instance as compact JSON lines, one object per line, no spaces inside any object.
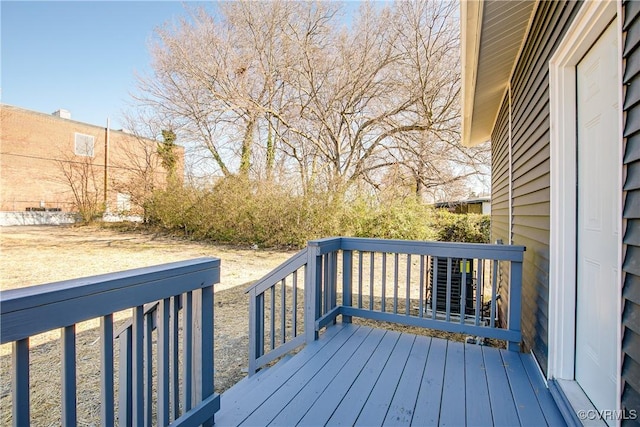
{"x":69,"y":400}
{"x":20,"y":382}
{"x":347,"y":280}
{"x":312,"y":292}
{"x":515,"y":302}
{"x":207,"y":346}
{"x":256,"y":329}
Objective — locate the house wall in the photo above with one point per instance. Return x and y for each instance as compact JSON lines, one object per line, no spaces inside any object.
{"x":631,"y":209}
{"x":528,"y":140}
{"x":500,"y":198}
{"x":35,"y":147}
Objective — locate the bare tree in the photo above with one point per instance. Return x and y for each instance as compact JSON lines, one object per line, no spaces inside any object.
{"x":145,"y":161}
{"x":83,"y":179}
{"x":261,"y":84}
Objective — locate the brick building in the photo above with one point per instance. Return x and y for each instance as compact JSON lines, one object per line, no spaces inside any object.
{"x":45,"y":158}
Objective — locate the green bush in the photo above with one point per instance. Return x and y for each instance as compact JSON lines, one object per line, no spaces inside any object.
{"x":241,"y":212}
{"x":470,"y":228}
{"x":393,"y":219}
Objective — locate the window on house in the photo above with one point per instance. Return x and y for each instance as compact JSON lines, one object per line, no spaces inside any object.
{"x":84,"y":145}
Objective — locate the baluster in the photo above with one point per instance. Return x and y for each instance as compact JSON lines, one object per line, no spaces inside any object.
{"x":395,"y":283}
{"x":422,"y":287}
{"x":125,"y":384}
{"x":434,"y":286}
{"x":106,"y":370}
{"x":408,"y":287}
{"x":187,"y":350}
{"x":148,"y":371}
{"x":175,"y":380}
{"x":334,"y":281}
{"x":448,"y":296}
{"x":294,"y":303}
{"x":163,"y":361}
{"x":359,"y":279}
{"x":272,"y":317}
{"x":479,"y":288}
{"x":383,"y":285}
{"x":463,"y":291}
{"x":138,"y":366}
{"x":326,"y":285}
{"x":371,"y":278}
{"x":283,"y":311}
{"x":494,"y":286}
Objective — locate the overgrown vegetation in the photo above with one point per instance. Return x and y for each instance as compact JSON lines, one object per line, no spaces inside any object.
{"x":361,"y":118}
{"x":239,"y":212}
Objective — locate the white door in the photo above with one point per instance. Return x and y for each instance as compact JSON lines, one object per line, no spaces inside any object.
{"x":598,"y":214}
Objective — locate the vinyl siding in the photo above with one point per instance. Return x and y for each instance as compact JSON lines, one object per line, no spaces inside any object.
{"x":531,"y":165}
{"x":631,"y":210}
{"x":500,"y":198}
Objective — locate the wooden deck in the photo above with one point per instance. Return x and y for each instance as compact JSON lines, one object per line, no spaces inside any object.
{"x":356,"y":375}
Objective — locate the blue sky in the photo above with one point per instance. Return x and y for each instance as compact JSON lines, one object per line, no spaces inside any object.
{"x":81,"y":56}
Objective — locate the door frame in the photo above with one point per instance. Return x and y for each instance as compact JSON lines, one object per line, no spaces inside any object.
{"x":590,"y":22}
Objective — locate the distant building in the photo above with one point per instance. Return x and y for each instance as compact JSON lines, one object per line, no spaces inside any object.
{"x":41,"y":153}
{"x":479,"y":205}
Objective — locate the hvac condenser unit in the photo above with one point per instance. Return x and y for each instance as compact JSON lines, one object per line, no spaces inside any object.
{"x":438,"y":274}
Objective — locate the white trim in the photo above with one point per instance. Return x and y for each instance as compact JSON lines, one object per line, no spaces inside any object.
{"x":471,"y":19}
{"x":592,"y":19}
{"x":619,"y":16}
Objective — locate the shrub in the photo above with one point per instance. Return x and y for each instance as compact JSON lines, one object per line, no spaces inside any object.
{"x":470,"y":228}
{"x":238,"y":211}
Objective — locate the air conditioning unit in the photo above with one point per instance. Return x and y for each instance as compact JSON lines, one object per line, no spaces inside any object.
{"x":457,"y":267}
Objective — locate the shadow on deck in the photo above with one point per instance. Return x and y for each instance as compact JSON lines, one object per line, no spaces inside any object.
{"x":357,"y":375}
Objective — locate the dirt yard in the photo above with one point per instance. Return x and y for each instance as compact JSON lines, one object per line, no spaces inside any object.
{"x":36,"y":255}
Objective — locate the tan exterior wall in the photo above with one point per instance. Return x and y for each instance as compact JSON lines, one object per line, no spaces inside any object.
{"x":36,"y":149}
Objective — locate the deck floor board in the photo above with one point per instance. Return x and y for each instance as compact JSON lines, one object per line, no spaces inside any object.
{"x":356,"y":375}
{"x":349,"y":408}
{"x":452,"y":408}
{"x":477,"y":397}
{"x":503,"y":408}
{"x":333,"y":394}
{"x":402,"y":406}
{"x":524,"y":397}
{"x":375,"y":409}
{"x":427,"y":410}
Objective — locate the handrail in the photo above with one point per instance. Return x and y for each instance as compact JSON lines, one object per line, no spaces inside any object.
{"x":35,"y":309}
{"x":419,"y":247}
{"x":280,"y":272}
{"x":30,"y":311}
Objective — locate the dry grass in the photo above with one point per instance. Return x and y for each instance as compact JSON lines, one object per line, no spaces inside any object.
{"x":46,"y":254}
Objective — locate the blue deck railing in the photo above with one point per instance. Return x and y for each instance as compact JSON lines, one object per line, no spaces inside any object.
{"x":158,"y":297}
{"x":451,"y":287}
